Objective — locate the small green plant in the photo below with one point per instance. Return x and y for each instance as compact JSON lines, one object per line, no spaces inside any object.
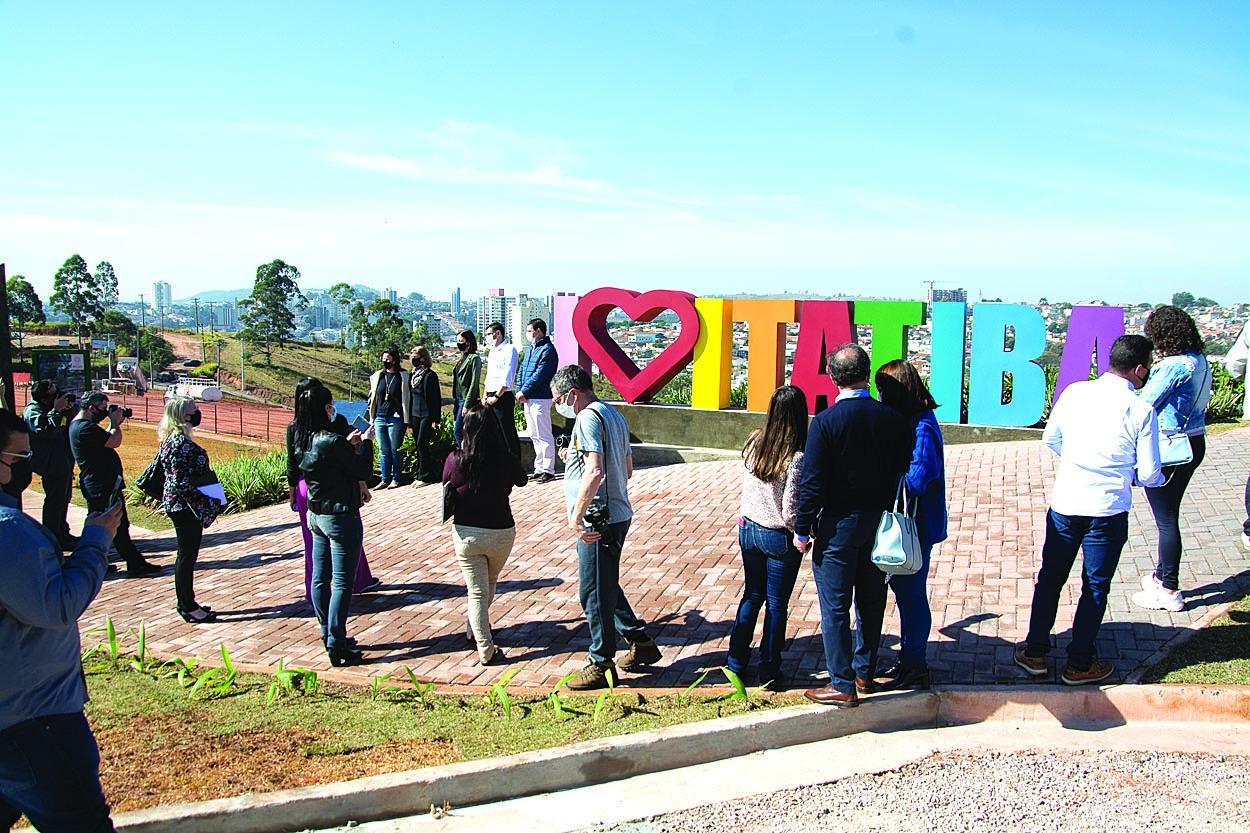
{"x":610,"y":675}
{"x":220,"y":680}
{"x":140,"y":662}
{"x":379,"y":686}
{"x":291,"y":681}
{"x":182,"y":669}
{"x":114,"y":644}
{"x":499,"y":691}
{"x":698,"y":681}
{"x":557,"y":703}
{"x":425,"y":691}
{"x":739,"y":688}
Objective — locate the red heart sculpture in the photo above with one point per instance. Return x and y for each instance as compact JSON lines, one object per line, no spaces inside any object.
{"x":590,"y":326}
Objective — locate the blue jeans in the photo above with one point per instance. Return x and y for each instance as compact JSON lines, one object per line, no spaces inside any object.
{"x":770,"y":565}
{"x":50,"y":771}
{"x":335,"y":550}
{"x":607,"y":610}
{"x":844,"y":573}
{"x":390,"y":433}
{"x":457,"y":408}
{"x":1100,"y":540}
{"x":911,"y":594}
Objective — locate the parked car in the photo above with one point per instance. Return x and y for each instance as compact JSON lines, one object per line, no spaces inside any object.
{"x":192,"y":363}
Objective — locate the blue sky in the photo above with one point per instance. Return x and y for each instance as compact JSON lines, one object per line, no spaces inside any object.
{"x":1071,"y":150}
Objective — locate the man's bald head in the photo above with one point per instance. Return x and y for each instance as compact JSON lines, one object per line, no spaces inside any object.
{"x":849,"y":366}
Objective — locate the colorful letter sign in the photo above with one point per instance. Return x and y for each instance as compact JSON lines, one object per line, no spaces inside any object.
{"x":1007,"y":339}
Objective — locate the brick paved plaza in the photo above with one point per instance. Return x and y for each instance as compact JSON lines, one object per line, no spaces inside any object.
{"x":681,"y":572}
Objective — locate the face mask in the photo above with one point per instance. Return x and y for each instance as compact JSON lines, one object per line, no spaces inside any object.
{"x":533,"y":338}
{"x":195,"y":418}
{"x":388,"y":364}
{"x":19,"y":476}
{"x":565,"y":410}
{"x":98,"y":415}
{"x":333,"y":414}
{"x":462,"y":346}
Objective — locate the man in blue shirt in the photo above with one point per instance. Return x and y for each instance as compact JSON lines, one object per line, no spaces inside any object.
{"x":533,"y":392}
{"x":1107,"y":439}
{"x":857,"y":450}
{"x":49,"y":761}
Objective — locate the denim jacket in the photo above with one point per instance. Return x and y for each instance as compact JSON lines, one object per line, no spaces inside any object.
{"x":1180,"y":387}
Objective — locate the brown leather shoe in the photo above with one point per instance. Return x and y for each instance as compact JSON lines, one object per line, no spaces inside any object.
{"x":830,"y":696}
{"x":865,"y":686}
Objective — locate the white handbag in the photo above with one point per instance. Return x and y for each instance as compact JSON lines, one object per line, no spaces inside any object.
{"x":1174,"y":447}
{"x":896,"y":549}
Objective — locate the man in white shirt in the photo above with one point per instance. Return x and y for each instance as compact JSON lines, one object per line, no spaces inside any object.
{"x":501,"y":365}
{"x":1235,"y":362}
{"x":1107,"y":439}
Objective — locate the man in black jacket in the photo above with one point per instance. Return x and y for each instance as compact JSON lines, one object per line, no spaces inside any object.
{"x":857,"y":449}
{"x":48,"y":415}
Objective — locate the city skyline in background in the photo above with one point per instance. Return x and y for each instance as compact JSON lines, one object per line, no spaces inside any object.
{"x":1069,"y":151}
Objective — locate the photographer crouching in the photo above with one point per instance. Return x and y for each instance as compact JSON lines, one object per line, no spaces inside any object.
{"x":100,"y":470}
{"x":598,"y":464}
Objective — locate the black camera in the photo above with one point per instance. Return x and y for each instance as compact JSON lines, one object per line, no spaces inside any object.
{"x":597,"y":517}
{"x":562,"y":440}
{"x":126,"y":412}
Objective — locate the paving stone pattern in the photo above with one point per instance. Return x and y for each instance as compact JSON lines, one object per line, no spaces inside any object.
{"x":681,"y":572}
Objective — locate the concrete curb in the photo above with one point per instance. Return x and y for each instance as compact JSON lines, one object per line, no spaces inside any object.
{"x":610,"y":759}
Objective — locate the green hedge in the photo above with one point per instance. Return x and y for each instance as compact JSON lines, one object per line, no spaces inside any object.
{"x":253,"y":481}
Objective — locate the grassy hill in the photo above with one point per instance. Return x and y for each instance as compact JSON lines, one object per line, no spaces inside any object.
{"x":331,"y":364}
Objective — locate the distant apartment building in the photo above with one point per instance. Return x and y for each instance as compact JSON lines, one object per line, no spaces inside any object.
{"x":320,"y":318}
{"x":958,"y":296}
{"x":392,"y":295}
{"x":162,"y":298}
{"x":433,"y":324}
{"x":524,"y":310}
{"x":493,"y":306}
{"x":455,"y":303}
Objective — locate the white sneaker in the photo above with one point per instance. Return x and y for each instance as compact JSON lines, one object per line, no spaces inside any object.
{"x":1150,"y":583}
{"x":1160,"y":599}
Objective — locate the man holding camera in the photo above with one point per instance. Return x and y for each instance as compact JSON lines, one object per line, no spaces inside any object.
{"x":598,"y":463}
{"x":49,"y":761}
{"x":100,"y":467}
{"x":48,"y":416}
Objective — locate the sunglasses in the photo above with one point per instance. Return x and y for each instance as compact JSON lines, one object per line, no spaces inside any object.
{"x":18,"y":455}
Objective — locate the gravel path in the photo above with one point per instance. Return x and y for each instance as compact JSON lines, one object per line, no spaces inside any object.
{"x":986,"y":792}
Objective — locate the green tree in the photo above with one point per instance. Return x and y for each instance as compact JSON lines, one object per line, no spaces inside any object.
{"x":118,"y":325}
{"x":1206,"y":302}
{"x":154,"y":349}
{"x":385,"y":328}
{"x":1182,"y":299}
{"x":422,"y":335}
{"x":106,"y":283}
{"x":75,"y":294}
{"x":25,"y":308}
{"x":268,"y":316}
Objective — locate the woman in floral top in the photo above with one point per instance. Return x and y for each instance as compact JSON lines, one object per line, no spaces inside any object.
{"x":186,"y":469}
{"x":772,"y":468}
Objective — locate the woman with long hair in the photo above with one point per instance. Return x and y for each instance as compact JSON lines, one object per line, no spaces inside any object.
{"x":426,"y":412}
{"x":772,"y":468}
{"x":1179,"y":388}
{"x":901,"y":387}
{"x":186,"y":469}
{"x":335,"y":474}
{"x":297,"y":491}
{"x":466,"y":378}
{"x":482,"y":472}
{"x":389,"y":402}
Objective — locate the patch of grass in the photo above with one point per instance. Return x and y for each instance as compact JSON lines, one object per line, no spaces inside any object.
{"x":1219,"y":654}
{"x":342,"y":731}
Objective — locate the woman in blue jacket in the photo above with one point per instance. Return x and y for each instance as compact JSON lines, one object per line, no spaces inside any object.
{"x":900,"y":386}
{"x":1179,"y":388}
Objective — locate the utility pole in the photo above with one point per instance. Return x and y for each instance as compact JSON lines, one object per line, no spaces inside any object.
{"x":143,"y":323}
{"x":6,"y":349}
{"x":197,"y":317}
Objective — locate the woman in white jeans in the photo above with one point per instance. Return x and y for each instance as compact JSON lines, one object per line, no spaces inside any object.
{"x":482,"y":473}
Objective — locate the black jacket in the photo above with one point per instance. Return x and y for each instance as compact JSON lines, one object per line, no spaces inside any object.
{"x":427,"y":399}
{"x":49,"y":441}
{"x":333,"y":471}
{"x":857,"y":450}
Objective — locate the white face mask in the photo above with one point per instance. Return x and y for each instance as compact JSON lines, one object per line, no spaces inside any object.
{"x":533,"y":337}
{"x":565,"y":410}
{"x":333,"y":413}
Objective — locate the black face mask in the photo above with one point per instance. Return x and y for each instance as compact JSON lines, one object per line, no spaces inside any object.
{"x":195,"y":419}
{"x":19,"y":476}
{"x":462,"y":346}
{"x":97,"y":415}
{"x":388,"y":364}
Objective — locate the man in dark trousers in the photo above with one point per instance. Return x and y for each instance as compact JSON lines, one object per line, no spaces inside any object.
{"x":99,"y":466}
{"x":857,"y":449}
{"x":48,"y":415}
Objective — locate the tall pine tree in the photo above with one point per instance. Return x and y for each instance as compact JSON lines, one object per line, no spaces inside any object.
{"x":268,"y":316}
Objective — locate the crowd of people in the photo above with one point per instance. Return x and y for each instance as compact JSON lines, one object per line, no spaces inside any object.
{"x":817,"y":486}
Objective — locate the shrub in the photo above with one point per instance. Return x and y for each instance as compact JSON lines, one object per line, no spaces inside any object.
{"x":1227,"y":394}
{"x":253,"y":480}
{"x":205,"y":371}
